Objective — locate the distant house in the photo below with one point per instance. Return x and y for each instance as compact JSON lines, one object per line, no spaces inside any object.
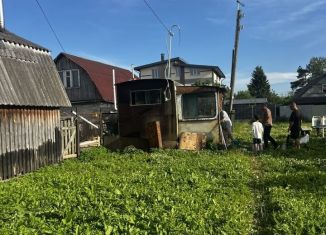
{"x":31,"y":95}
{"x":311,"y":99}
{"x":181,"y":72}
{"x":89,"y":85}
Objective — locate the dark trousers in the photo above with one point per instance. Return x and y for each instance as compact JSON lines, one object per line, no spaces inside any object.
{"x":267,"y":137}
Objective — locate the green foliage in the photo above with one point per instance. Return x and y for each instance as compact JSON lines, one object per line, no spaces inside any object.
{"x":206,"y":82}
{"x":174,"y":192}
{"x":245,"y":94}
{"x":314,"y":69}
{"x":316,"y":66}
{"x":132,"y":192}
{"x":259,"y":86}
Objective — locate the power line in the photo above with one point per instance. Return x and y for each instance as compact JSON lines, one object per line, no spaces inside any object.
{"x":157,"y":17}
{"x":48,"y":21}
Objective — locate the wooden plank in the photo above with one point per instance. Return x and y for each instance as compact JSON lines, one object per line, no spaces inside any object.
{"x":2,"y":143}
{"x":153,"y":134}
{"x":69,"y":156}
{"x":11,"y":145}
{"x":191,"y":141}
{"x":29,"y":141}
{"x":67,"y":150}
{"x":24,"y":144}
{"x":6,"y":147}
{"x":19,"y":141}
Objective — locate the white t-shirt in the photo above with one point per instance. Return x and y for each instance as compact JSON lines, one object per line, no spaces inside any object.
{"x":257,"y":130}
{"x":226,"y":117}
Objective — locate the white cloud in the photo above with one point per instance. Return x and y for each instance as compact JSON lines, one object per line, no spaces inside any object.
{"x":279,"y":77}
{"x":279,"y":81}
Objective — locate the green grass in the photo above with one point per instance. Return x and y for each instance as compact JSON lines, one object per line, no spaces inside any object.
{"x":174,"y":192}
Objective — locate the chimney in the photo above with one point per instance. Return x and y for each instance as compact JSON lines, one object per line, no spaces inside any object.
{"x":2,"y":23}
{"x":162,"y":56}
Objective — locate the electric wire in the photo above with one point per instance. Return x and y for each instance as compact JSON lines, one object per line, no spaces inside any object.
{"x":156,"y":15}
{"x":48,"y":22}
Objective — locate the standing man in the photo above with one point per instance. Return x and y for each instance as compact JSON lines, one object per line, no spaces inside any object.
{"x":295,"y":124}
{"x":226,"y":125}
{"x":267,"y":121}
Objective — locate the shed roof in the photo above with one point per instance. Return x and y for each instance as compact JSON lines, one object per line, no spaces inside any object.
{"x":101,"y":74}
{"x":28,"y":76}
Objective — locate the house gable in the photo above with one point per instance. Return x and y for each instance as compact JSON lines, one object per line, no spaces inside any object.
{"x":100,"y":74}
{"x":313,"y":93}
{"x":84,"y":89}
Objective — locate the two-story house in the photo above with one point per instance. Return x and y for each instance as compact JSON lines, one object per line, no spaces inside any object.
{"x":181,"y":72}
{"x":311,"y":99}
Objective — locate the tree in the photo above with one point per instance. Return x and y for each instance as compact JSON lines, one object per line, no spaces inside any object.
{"x":316,"y":66}
{"x":259,"y":86}
{"x":244,"y":94}
{"x":314,"y":69}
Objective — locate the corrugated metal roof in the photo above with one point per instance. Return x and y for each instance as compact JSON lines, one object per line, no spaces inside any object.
{"x":8,"y":36}
{"x":100,"y":74}
{"x":28,"y":76}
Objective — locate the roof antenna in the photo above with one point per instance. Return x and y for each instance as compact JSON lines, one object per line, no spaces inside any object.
{"x":171,"y":35}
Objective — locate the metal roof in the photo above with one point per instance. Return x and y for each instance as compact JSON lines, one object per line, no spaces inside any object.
{"x":173,"y":60}
{"x":8,"y":36}
{"x":100,"y":74}
{"x":28,"y":76}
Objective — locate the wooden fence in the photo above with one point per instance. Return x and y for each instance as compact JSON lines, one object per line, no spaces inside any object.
{"x":69,"y":138}
{"x":29,"y":139}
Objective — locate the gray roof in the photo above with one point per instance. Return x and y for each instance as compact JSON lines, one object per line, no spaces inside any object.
{"x":310,"y":84}
{"x":28,"y":76}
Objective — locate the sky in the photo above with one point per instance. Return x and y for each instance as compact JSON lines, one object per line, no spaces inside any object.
{"x":278,"y":35}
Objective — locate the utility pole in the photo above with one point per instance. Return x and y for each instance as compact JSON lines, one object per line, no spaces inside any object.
{"x":235,"y":52}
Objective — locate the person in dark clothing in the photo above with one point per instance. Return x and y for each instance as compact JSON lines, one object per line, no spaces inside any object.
{"x":267,"y":121}
{"x":295,"y":124}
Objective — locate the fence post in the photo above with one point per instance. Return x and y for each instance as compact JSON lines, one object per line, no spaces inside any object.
{"x":77,"y":136}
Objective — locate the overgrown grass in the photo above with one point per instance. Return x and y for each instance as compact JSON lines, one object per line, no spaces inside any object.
{"x":174,"y":192}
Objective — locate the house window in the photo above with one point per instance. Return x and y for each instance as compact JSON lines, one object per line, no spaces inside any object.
{"x":145,"y":97}
{"x":323,"y":88}
{"x":156,"y":73}
{"x":194,"y":72}
{"x":199,"y":106}
{"x":70,"y":78}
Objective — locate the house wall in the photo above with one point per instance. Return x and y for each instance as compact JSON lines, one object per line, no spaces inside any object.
{"x":29,"y":139}
{"x":210,"y":126}
{"x":86,"y":91}
{"x":205,"y":74}
{"x":316,"y":89}
{"x":133,"y":119}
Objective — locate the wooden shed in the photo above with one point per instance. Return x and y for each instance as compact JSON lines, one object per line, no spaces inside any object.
{"x":31,"y":95}
{"x":177,"y":109}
